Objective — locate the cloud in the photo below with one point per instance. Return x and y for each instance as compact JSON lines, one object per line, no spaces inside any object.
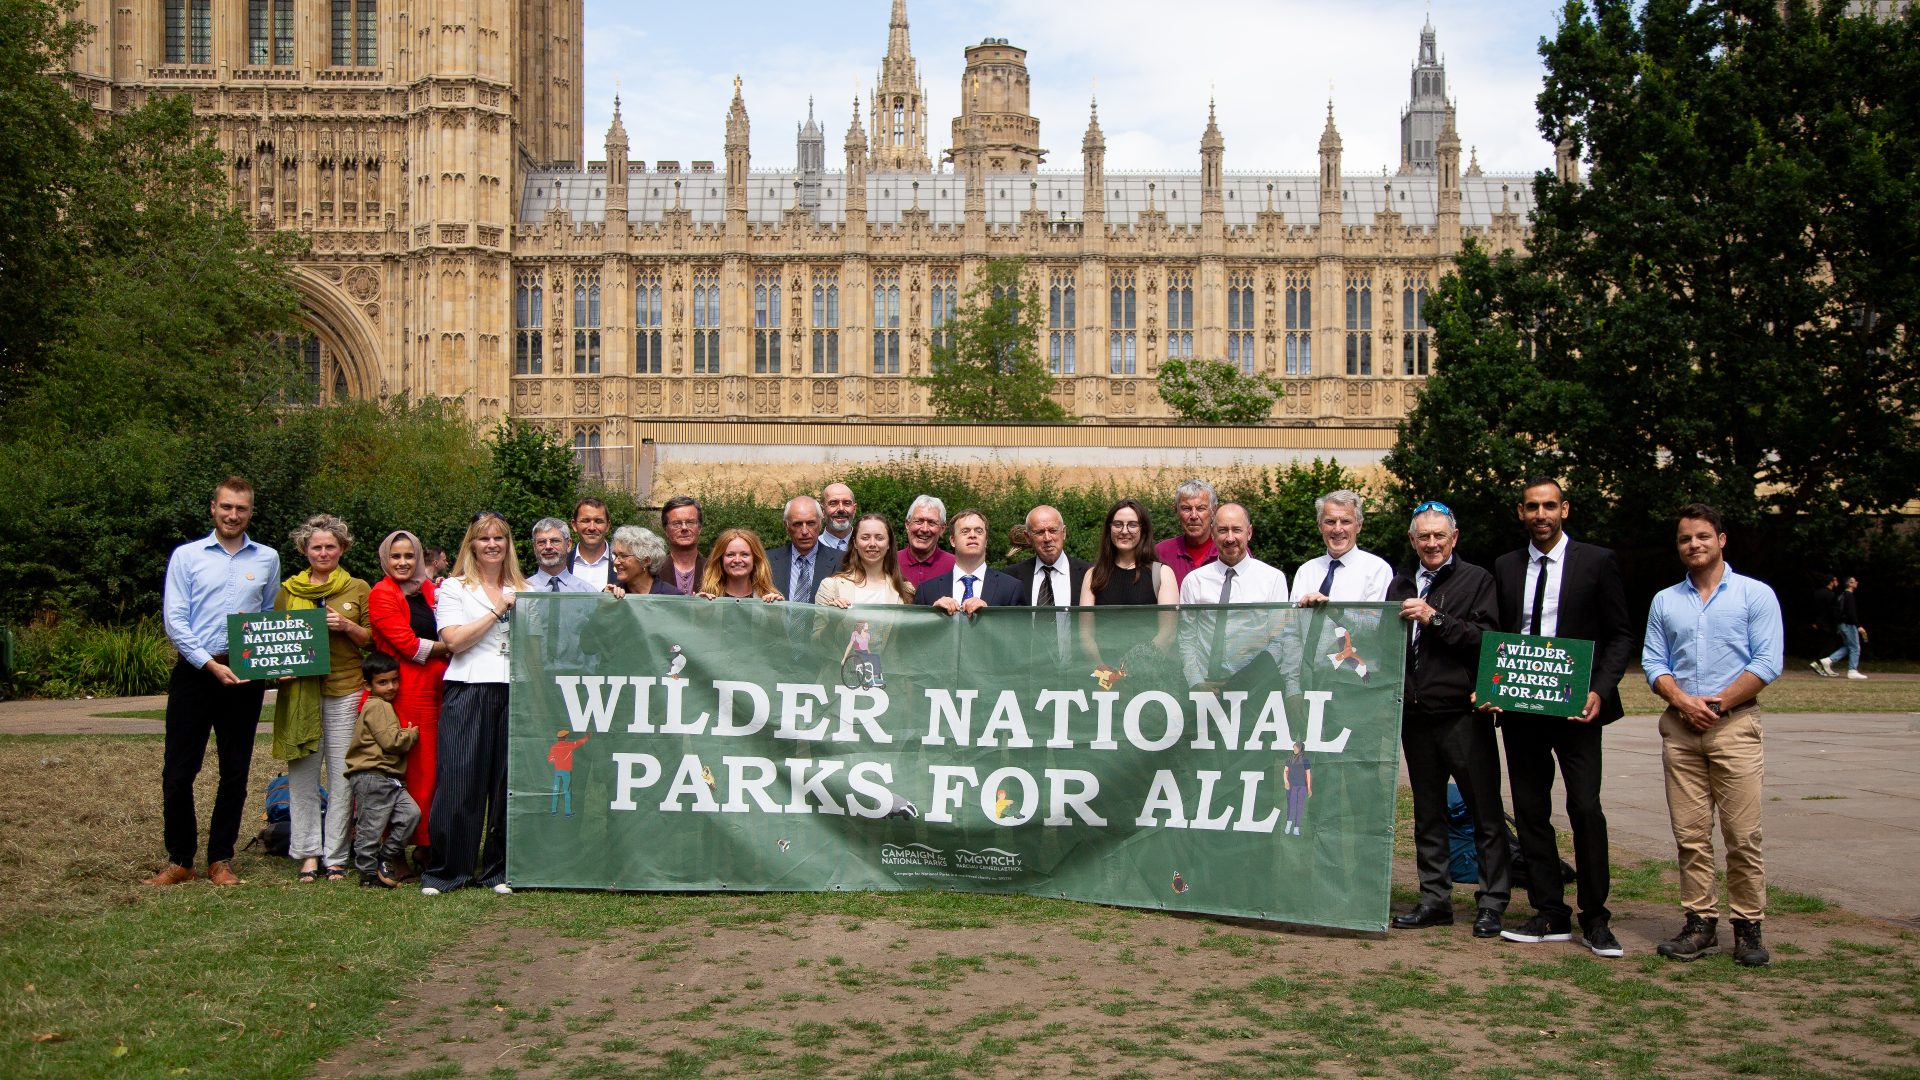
{"x":1267,"y":63}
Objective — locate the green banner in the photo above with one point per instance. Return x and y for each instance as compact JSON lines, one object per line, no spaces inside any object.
{"x":1525,"y":673}
{"x":1237,"y":761}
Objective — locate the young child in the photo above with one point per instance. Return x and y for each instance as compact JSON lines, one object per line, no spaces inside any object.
{"x":384,"y":813}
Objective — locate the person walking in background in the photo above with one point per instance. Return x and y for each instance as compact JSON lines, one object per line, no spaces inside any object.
{"x":400,"y":612}
{"x":314,"y":716}
{"x":1714,"y":641}
{"x":1847,"y":612}
{"x":208,"y":579}
{"x":469,"y":812}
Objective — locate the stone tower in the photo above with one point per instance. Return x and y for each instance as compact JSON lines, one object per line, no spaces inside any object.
{"x":1426,"y":111}
{"x":995,"y":110}
{"x":899,"y":105}
{"x":810,"y":157}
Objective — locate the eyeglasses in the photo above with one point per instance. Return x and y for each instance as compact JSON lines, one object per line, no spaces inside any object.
{"x":1438,"y":507}
{"x":1125,"y":526}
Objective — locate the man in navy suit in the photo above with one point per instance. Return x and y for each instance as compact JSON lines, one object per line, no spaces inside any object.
{"x":799,"y":566}
{"x":970,"y":585}
{"x":1559,"y":587}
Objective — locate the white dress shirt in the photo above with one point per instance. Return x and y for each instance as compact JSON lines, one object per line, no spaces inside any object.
{"x":1549,"y":604}
{"x":1254,"y":582}
{"x":593,"y":573}
{"x":1363,"y":577}
{"x":1062,"y":581}
{"x":979,"y":574}
{"x":485,"y":661}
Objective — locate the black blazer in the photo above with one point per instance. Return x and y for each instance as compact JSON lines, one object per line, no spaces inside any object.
{"x":1593,"y":606}
{"x":826,"y":563}
{"x":1024,"y":570}
{"x":1442,"y":682}
{"x":998,"y":590}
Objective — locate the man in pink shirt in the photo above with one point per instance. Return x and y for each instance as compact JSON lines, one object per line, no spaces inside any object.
{"x":922,"y":559}
{"x":1192,"y":547}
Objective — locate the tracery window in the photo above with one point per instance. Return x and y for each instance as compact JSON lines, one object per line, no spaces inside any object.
{"x":1121,"y":317}
{"x":586,"y":323}
{"x":943,"y":299}
{"x":1359,"y":324}
{"x":1179,"y":314}
{"x":1062,"y":318}
{"x":352,"y":29}
{"x":826,"y":322}
{"x":1299,"y":317}
{"x":766,"y":322}
{"x":886,"y":322}
{"x":1240,"y":320}
{"x":1416,"y":339}
{"x":706,"y":322}
{"x":647,"y":323}
{"x":529,"y":304}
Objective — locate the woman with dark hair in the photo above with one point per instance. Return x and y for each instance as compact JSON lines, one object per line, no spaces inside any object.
{"x":400,"y":606}
{"x":314,"y":716}
{"x":737,"y":568}
{"x":1127,"y":572}
{"x":470,"y":793}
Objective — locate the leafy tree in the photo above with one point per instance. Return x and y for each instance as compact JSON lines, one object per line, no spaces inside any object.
{"x":992,"y":369}
{"x":1216,"y":392}
{"x":1725,"y":308}
{"x":534,"y":475}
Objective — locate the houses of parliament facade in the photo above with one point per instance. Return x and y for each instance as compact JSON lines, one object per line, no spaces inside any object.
{"x":463,"y":247}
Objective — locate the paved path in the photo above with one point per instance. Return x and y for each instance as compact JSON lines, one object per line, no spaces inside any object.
{"x":1842,"y":818}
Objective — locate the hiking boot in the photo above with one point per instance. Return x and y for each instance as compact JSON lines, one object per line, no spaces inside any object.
{"x":221,"y":873}
{"x":1599,"y":938}
{"x":1541,"y":928}
{"x":174,"y":874}
{"x":1695,"y":940}
{"x":1747,"y":949}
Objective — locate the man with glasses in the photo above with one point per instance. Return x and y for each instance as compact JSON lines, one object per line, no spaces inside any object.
{"x":680,"y":520}
{"x":923,"y":559}
{"x":1448,"y":604}
{"x":801,"y":564}
{"x":550,"y":539}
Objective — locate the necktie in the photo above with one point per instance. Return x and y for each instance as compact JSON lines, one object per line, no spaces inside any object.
{"x":1539,"y":594}
{"x":1326,"y":583}
{"x":553,"y":584}
{"x":1046,"y":585}
{"x":802,"y":578}
{"x":967,"y":585}
{"x":1219,"y":665}
{"x":1426,"y":582}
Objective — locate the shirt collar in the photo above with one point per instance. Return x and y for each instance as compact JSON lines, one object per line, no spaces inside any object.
{"x":908,"y":556}
{"x":1059,"y":563}
{"x":213,"y":541}
{"x":1558,"y":554}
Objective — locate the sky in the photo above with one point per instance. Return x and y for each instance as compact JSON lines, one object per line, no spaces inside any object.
{"x":1270,"y":65}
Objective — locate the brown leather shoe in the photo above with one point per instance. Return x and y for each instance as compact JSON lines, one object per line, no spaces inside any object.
{"x":221,"y":873}
{"x":174,"y":874}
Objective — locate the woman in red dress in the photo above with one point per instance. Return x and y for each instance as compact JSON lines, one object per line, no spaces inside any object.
{"x":401,"y":609}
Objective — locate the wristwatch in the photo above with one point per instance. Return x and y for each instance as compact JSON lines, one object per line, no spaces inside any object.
{"x":1436,"y":621}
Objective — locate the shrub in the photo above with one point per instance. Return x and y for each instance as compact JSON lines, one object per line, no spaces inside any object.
{"x":76,"y":659}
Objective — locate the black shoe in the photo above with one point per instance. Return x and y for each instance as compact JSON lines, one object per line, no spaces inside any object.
{"x":1486,"y":924}
{"x":1747,"y":949}
{"x":374,"y":880}
{"x":1600,"y":939}
{"x":1423,"y":916}
{"x":1541,"y":928}
{"x":1695,"y":940}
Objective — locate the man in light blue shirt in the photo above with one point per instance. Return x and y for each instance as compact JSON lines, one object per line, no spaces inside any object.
{"x":207,"y":580}
{"x":1714,"y":641}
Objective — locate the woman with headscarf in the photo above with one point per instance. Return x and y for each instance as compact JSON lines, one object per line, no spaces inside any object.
{"x":314,"y":715}
{"x":401,"y":608}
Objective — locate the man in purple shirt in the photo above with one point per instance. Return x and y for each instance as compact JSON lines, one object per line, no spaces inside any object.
{"x":922,"y":558}
{"x":1192,"y":547}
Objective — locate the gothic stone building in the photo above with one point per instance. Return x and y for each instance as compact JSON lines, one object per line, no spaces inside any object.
{"x":432,"y":153}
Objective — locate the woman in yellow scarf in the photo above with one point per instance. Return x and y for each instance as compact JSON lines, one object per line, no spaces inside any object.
{"x":314,"y":716}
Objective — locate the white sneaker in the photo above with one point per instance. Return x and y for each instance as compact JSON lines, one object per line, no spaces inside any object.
{"x":1821,"y":667}
{"x":503,"y":889}
{"x":1852,"y":674}
{"x":428,"y":890}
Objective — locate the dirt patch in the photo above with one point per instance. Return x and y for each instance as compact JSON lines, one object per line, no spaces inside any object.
{"x":1105,"y":992}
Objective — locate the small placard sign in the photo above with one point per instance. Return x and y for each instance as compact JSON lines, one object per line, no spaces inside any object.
{"x":1529,"y":674}
{"x":274,"y":644}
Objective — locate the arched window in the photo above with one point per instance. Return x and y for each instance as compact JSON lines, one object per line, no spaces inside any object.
{"x":706,"y":322}
{"x":886,"y":322}
{"x":1121,"y":343}
{"x":528,"y":306}
{"x":1179,"y":314}
{"x":1359,"y":325}
{"x":646,"y":322}
{"x":826,"y":322}
{"x":1062,"y":321}
{"x":586,"y":323}
{"x":766,"y":322}
{"x":1299,"y":318}
{"x":1240,"y":317}
{"x":1416,"y":339}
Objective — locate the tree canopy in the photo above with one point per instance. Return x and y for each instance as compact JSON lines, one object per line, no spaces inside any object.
{"x":990,"y":369}
{"x":1723,"y":309}
{"x":1216,"y":392}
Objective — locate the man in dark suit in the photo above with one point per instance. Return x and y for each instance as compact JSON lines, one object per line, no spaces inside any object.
{"x":1449,"y":604}
{"x":1559,"y":587}
{"x":1051,"y":578}
{"x":970,"y":585}
{"x":799,"y":566}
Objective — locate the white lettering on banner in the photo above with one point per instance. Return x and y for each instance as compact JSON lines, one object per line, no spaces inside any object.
{"x":1006,"y":720}
{"x":586,"y":707}
{"x":626,"y":783}
{"x":1207,"y":711}
{"x":815,"y":785}
{"x":871,"y":779}
{"x":1164,"y":797}
{"x":946,"y":789}
{"x":1176,"y":721}
{"x":727,"y":689}
{"x":796,"y":709}
{"x":676,"y":702}
{"x":689,"y":780}
{"x":864,"y":706}
{"x":1079,"y":799}
{"x":956,"y":708}
{"x":739,"y":784}
{"x":1061,"y":700}
{"x":1316,"y":740}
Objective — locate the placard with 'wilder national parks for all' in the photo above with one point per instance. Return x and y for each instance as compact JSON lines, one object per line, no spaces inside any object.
{"x":1532,"y":674}
{"x":275,"y":644}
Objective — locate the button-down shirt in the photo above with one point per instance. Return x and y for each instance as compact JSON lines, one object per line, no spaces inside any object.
{"x":1550,"y":603}
{"x":1706,"y":646}
{"x":979,"y":575}
{"x":1363,"y":577}
{"x":1173,"y":551}
{"x":485,"y":661}
{"x":541,"y":581}
{"x":206,"y":583}
{"x":1254,"y":582}
{"x":837,"y":543}
{"x":919,"y":571}
{"x":596,"y":573}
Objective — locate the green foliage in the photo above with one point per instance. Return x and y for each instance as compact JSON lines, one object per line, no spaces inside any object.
{"x":1725,"y":309}
{"x":1279,"y":506}
{"x":992,"y":370}
{"x":75,"y":659}
{"x":534,"y":476}
{"x":1216,"y":392}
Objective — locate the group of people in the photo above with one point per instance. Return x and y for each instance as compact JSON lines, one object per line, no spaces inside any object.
{"x":413,"y":713}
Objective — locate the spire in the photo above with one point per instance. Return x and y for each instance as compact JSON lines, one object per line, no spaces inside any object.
{"x":1096,"y":139}
{"x":737,"y":117}
{"x":616,"y":166}
{"x":899,"y":115}
{"x":810,"y":152}
{"x":856,"y":138}
{"x":616,"y":131}
{"x":737,"y":154}
{"x":1093,"y":153}
{"x":1212,"y":149}
{"x":1210,"y":139}
{"x":1426,"y":100}
{"x":1329,"y":135}
{"x":811,"y":128}
{"x":1330,"y":194}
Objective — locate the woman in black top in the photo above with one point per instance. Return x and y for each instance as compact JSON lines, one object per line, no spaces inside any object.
{"x":1127,"y":573}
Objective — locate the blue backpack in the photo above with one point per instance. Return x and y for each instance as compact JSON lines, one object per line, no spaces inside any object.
{"x":276,"y":838}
